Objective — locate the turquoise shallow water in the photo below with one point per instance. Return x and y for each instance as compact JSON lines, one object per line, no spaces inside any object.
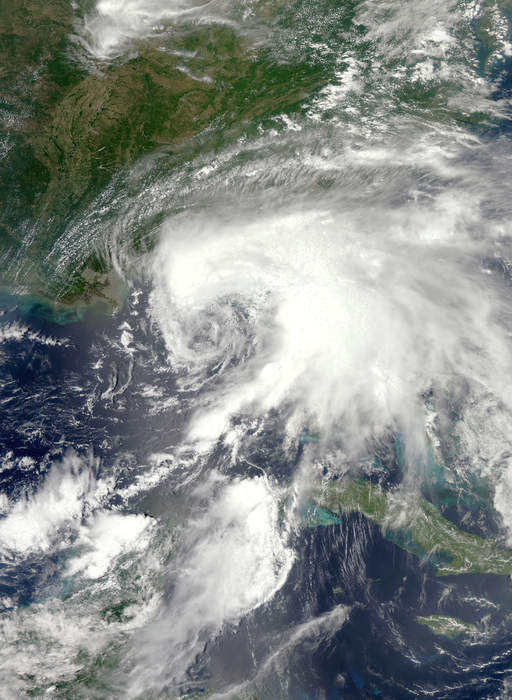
{"x":255,"y":349}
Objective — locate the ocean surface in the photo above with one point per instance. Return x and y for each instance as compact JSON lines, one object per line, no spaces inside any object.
{"x":255,"y":349}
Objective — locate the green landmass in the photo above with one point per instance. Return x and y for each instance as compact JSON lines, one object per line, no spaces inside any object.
{"x":70,"y":125}
{"x":117,"y":611}
{"x":418,"y":528}
{"x":445,"y":626}
{"x":75,"y":128}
